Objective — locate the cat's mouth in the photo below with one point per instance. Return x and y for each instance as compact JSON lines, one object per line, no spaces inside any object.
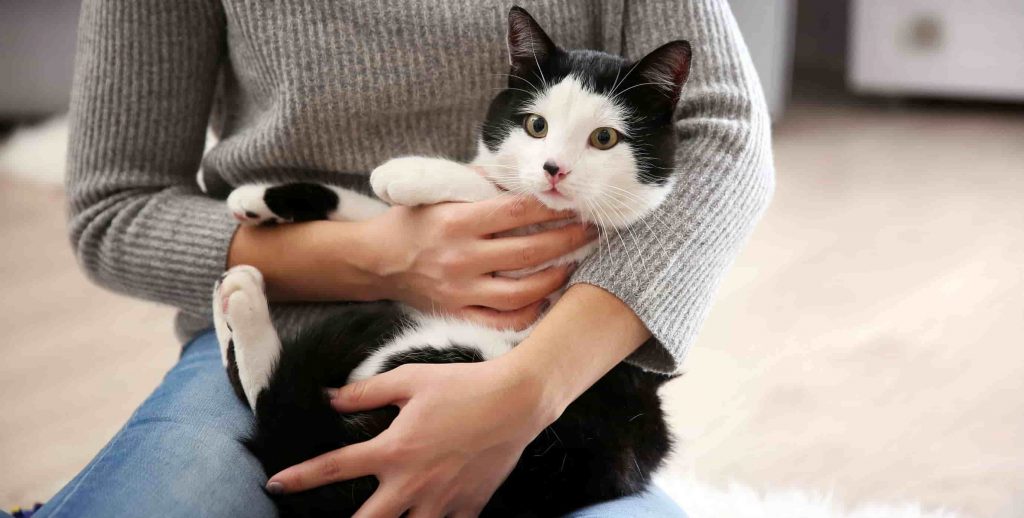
{"x":556,"y":199}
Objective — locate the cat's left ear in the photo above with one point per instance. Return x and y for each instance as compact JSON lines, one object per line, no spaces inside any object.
{"x":665,"y":69}
{"x":529,"y":47}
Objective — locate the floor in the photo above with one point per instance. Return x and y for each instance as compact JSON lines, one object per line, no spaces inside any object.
{"x":867,"y":342}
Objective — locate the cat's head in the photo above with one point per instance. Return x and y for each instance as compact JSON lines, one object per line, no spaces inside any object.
{"x":584,"y":130}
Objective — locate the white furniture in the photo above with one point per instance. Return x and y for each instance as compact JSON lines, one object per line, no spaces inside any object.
{"x":942,"y":48}
{"x":768,"y":28}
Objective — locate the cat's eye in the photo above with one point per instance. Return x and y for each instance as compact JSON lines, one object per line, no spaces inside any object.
{"x":535,"y":125}
{"x":604,"y":138}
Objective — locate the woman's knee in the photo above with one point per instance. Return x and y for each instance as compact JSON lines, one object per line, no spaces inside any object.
{"x":196,"y":392}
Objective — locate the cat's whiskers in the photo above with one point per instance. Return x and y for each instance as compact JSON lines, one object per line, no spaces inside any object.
{"x":515,"y":194}
{"x":602,"y":234}
{"x":621,"y":196}
{"x":643,"y":155}
{"x":632,"y":235}
{"x":621,"y":199}
{"x":611,"y":94}
{"x":662,"y":83}
{"x":603,"y":210}
{"x":513,"y":88}
{"x":533,"y":50}
{"x":536,"y":90}
{"x":494,"y":165}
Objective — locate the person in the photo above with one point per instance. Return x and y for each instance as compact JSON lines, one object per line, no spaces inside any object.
{"x":302,"y":90}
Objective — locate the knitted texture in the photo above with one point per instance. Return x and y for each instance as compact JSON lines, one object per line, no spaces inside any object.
{"x":302,"y":90}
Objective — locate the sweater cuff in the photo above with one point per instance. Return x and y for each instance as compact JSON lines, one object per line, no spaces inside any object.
{"x":169,"y":247}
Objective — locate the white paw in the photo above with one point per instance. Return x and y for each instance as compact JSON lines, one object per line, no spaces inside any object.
{"x":239,"y":305}
{"x":247,"y":205}
{"x":412,"y":181}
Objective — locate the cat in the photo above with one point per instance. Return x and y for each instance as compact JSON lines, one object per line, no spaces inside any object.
{"x":577,"y":129}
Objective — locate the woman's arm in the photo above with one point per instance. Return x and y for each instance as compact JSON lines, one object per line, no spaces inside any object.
{"x":145,"y":73}
{"x":144,"y":81}
{"x":667,"y":267}
{"x":436,"y":258}
{"x":585,"y":334}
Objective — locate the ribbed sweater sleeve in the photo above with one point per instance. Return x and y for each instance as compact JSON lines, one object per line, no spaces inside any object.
{"x":145,"y":75}
{"x":668,"y":267}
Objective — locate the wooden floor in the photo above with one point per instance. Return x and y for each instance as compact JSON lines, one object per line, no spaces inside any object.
{"x":869,"y":342}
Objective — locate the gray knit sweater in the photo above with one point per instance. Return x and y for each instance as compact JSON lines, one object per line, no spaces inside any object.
{"x":327,"y":90}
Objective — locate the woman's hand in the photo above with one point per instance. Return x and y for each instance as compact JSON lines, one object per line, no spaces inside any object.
{"x":434,"y":258}
{"x":459,"y":433}
{"x":442,"y":257}
{"x":462,"y":427}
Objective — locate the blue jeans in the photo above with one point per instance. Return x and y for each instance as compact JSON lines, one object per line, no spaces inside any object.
{"x":179,"y":456}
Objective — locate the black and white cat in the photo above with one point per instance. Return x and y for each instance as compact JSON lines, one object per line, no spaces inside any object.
{"x":578,"y":129}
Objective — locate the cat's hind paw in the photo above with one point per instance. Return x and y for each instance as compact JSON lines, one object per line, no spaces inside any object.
{"x":239,"y":305}
{"x":248,"y":205}
{"x":249,"y":343}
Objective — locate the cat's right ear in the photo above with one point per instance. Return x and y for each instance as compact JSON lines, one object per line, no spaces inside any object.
{"x":529,"y":47}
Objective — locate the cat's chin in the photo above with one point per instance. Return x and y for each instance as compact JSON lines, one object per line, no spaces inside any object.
{"x":556,"y":201}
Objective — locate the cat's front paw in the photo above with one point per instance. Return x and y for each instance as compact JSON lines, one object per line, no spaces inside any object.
{"x":412,"y":181}
{"x":248,"y":206}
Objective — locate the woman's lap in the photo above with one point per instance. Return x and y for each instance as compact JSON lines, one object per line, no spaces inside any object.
{"x":180,"y":455}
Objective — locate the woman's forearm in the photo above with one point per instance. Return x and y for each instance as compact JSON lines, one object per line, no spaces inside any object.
{"x":584,"y":335}
{"x":315,"y":261}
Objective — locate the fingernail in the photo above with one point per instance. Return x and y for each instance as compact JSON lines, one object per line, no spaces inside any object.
{"x":275,"y":488}
{"x":331,"y":393}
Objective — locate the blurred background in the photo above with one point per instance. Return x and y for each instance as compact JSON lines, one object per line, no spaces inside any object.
{"x":867,"y":348}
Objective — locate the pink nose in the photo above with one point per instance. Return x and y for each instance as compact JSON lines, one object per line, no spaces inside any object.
{"x":555,"y":173}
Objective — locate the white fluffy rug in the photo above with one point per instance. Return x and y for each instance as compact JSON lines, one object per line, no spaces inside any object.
{"x":738,"y":501}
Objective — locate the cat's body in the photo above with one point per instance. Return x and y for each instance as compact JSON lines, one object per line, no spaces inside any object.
{"x":579,"y":130}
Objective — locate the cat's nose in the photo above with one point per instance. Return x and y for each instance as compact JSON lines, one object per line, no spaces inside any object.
{"x":552,"y":168}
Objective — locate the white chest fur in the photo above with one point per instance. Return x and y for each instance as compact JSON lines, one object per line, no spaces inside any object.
{"x":440,"y":333}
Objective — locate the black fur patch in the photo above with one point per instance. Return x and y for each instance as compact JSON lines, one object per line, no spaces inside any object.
{"x":301,"y":201}
{"x":233,"y":377}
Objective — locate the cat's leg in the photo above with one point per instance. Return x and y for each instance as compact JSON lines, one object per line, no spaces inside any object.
{"x":249,"y":343}
{"x":257,"y":204}
{"x":414,"y":180}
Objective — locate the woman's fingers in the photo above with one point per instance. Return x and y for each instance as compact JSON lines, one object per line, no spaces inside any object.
{"x":384,"y":503}
{"x":518,"y":252}
{"x":507,"y":294}
{"x":387,"y":388}
{"x":353,"y":461}
{"x":427,"y":511}
{"x":508,"y":212}
{"x":467,"y":514}
{"x":517,"y":319}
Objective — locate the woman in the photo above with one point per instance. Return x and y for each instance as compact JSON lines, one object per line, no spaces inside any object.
{"x":316,"y":90}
